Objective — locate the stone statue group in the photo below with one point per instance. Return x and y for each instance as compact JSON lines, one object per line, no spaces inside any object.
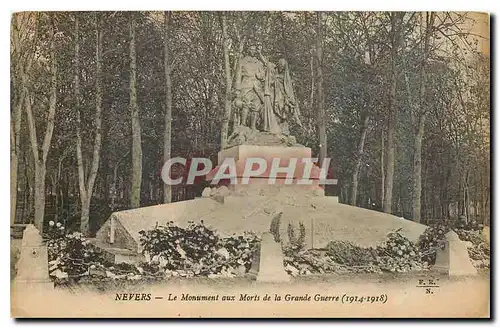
{"x":264,"y":99}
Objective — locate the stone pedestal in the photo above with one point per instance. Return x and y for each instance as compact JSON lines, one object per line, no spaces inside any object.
{"x":32,"y":267}
{"x":281,"y":170}
{"x":268,"y":181}
{"x":270,"y":267}
{"x":454,"y":258}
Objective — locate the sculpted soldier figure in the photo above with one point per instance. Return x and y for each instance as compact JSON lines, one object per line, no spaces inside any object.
{"x":264,"y":101}
{"x":249,"y":94}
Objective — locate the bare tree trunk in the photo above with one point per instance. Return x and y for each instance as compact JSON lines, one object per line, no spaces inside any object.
{"x":382,"y":169}
{"x":29,"y":171}
{"x":84,"y":216}
{"x":135,"y":193}
{"x":26,"y":191}
{"x":467,"y":197}
{"x":115,"y":185}
{"x":417,"y":155}
{"x":114,"y":189}
{"x":482,"y":199}
{"x":167,"y":137}
{"x":321,"y":101}
{"x":79,"y":157}
{"x":22,"y":66}
{"x":487,"y":208}
{"x":237,"y":71}
{"x":417,"y":170}
{"x":313,"y":87}
{"x":389,"y":166}
{"x":39,"y":196}
{"x":57,"y":189}
{"x":237,"y":65}
{"x":227,"y":71}
{"x":14,"y":156}
{"x":41,"y":163}
{"x":391,"y":124}
{"x":63,"y":196}
{"x":86,"y":183}
{"x":359,"y":155}
{"x":96,"y":155}
{"x":459,"y":197}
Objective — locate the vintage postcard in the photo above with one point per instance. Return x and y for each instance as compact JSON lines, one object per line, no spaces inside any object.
{"x":270,"y":164}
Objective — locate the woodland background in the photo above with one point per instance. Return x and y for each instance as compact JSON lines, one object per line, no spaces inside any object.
{"x":399,"y":101}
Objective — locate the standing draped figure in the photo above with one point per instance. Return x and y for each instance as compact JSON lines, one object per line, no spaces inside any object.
{"x":280,"y":104}
{"x":264,"y":97}
{"x":285,"y":105}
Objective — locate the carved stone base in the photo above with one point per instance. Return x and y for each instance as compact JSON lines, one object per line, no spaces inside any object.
{"x":244,"y":135}
{"x":303,"y":178}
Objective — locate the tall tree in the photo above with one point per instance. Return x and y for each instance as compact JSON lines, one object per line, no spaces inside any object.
{"x":167,"y":137}
{"x":422,"y":112}
{"x":359,"y":155}
{"x":86,"y":182}
{"x":22,"y":61}
{"x":228,"y":78}
{"x":368,"y":54}
{"x":41,"y":161}
{"x":382,"y":168}
{"x":321,"y":98}
{"x":395,"y":23}
{"x":135,"y":193}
